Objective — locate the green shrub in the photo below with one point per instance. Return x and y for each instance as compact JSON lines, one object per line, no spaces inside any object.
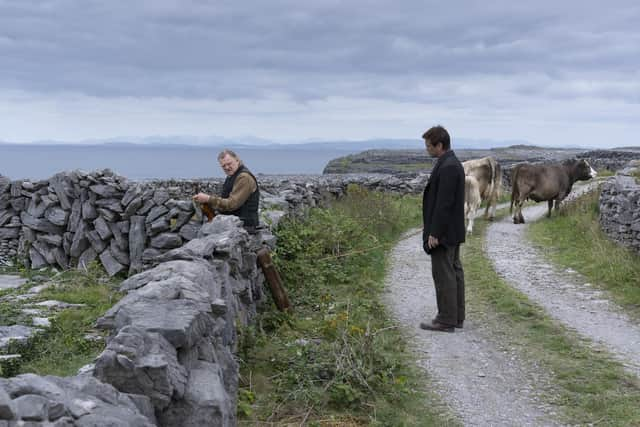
{"x":337,"y":355}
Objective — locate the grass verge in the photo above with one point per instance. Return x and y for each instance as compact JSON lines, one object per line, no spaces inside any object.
{"x":588,"y":386}
{"x":63,"y":348}
{"x":338,"y":359}
{"x":573,"y":238}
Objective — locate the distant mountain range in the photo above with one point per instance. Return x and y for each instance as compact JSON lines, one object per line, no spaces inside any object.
{"x":353,"y":146}
{"x":253,"y":142}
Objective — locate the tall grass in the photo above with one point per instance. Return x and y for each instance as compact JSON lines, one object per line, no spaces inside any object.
{"x":574,"y":239}
{"x":337,"y":359}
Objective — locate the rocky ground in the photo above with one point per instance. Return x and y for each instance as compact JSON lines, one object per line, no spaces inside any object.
{"x":412,"y":162}
{"x":28,"y":313}
{"x":481,"y":379}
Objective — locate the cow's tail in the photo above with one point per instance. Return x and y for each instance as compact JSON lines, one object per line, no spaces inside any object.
{"x":514,"y":187}
{"x":492,"y":180}
{"x":498,"y":180}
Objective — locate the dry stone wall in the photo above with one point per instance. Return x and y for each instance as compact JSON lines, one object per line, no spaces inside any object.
{"x":174,"y":333}
{"x":620,"y":207}
{"x":76,"y":217}
{"x":169,"y":360}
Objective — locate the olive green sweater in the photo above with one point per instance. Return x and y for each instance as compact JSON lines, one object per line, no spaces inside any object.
{"x":242,"y":189}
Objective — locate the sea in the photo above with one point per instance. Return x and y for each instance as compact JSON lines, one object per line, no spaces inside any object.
{"x":143,"y":162}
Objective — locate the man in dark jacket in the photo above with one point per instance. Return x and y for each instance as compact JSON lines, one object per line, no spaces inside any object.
{"x":240,"y":194}
{"x":443,"y":219}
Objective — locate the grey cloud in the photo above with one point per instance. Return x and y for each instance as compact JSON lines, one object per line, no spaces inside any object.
{"x":225,"y":49}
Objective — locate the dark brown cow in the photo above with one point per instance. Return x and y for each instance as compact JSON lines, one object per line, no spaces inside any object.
{"x":546,"y":182}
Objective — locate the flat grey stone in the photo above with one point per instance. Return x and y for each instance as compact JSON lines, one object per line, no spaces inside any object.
{"x":205,"y":402}
{"x":7,"y":407}
{"x":141,"y":362}
{"x":155,"y":213}
{"x":122,"y":256}
{"x":18,"y":333}
{"x":180,"y":321}
{"x":111,"y":204}
{"x":102,"y":228}
{"x":111,"y":265}
{"x":11,"y":282}
{"x":96,"y":242}
{"x":132,"y":193}
{"x":53,"y":304}
{"x":40,"y":224}
{"x":32,"y":407}
{"x":107,"y":214}
{"x":61,"y":187}
{"x":9,"y":233}
{"x":160,"y":196}
{"x":106,"y":191}
{"x":41,"y":322}
{"x":56,"y":215}
{"x":137,"y":240}
{"x":51,"y":239}
{"x":166,"y":241}
{"x":132,"y":207}
{"x":89,"y":211}
{"x":190,"y":230}
{"x":87,"y":256}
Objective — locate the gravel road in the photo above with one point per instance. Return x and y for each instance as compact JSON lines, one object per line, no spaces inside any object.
{"x":483,"y":382}
{"x":565,"y":295}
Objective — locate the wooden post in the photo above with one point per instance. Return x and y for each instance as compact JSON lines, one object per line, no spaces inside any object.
{"x":273,"y":279}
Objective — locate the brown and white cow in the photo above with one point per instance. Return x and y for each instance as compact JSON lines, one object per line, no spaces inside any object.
{"x":546,"y":182}
{"x":488,"y":174}
{"x":472,"y":200}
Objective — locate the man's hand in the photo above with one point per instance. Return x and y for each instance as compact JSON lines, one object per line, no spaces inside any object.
{"x":432,"y":242}
{"x":201,"y":198}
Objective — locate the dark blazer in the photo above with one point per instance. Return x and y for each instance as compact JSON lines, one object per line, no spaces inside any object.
{"x":443,"y":202}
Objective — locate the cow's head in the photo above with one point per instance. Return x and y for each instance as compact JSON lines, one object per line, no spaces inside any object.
{"x":583,"y":171}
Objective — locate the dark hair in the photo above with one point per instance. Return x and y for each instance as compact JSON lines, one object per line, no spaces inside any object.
{"x":438,"y":135}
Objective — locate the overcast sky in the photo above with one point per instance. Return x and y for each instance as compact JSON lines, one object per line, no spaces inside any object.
{"x":548,"y":72}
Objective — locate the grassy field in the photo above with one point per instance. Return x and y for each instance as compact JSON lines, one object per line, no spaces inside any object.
{"x":337,"y":359}
{"x":588,"y":387}
{"x":574,"y":239}
{"x":62,"y":349}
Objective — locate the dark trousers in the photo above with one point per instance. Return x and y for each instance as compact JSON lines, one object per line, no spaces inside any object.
{"x":448,"y":278}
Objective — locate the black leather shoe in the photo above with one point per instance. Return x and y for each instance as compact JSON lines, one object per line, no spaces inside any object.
{"x":436,"y":326}
{"x":459,"y":325}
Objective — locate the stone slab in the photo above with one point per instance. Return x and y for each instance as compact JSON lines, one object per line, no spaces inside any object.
{"x":8,"y":281}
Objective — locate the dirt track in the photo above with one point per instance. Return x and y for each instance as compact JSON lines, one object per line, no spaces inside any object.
{"x":482,"y":380}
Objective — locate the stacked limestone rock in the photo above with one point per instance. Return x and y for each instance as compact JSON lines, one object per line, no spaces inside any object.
{"x":30,"y":400}
{"x":612,"y":160}
{"x":175,"y":331}
{"x":169,"y":360}
{"x":620,"y":208}
{"x":9,"y":223}
{"x":76,"y":217}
